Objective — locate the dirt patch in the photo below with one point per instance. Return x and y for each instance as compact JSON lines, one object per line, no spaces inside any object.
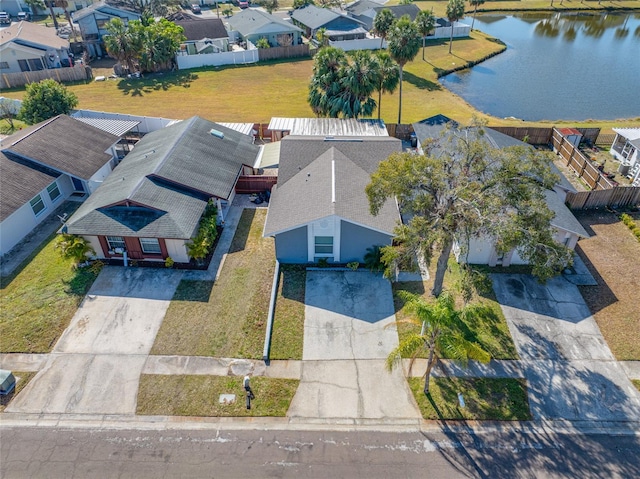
{"x":612,"y":254}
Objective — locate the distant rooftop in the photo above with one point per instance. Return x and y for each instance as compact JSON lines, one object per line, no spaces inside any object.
{"x":329,"y":126}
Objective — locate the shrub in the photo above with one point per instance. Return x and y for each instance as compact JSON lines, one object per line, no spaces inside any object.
{"x":628,"y":221}
{"x":353,"y":266}
{"x":74,"y":247}
{"x":323,"y":262}
{"x":373,"y":259}
{"x":200,"y":245}
{"x":168,"y":263}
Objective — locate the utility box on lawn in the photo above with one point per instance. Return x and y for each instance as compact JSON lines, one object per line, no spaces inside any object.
{"x":7,"y":382}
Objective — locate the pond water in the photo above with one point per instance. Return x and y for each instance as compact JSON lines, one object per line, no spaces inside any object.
{"x":565,"y":66}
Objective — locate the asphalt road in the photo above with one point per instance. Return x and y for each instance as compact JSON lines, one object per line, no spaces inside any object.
{"x":32,"y":452}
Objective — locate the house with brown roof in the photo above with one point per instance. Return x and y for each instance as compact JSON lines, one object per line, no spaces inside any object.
{"x":26,"y":46}
{"x":43,"y":165}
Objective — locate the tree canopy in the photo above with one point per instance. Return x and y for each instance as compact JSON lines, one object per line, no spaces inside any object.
{"x":476,"y":4}
{"x":382,"y":23}
{"x":425,"y":21}
{"x":388,"y":76}
{"x":44,"y":100}
{"x":462,"y":188}
{"x":455,"y":11}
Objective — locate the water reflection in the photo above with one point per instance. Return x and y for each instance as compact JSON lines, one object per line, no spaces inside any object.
{"x":569,"y":24}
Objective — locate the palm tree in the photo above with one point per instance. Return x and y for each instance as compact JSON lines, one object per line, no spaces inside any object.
{"x":74,"y":247}
{"x":120,"y":43}
{"x":35,"y":5}
{"x":441,"y":333}
{"x":358,"y":81}
{"x":476,"y":4}
{"x":388,"y":76}
{"x":382,"y":23}
{"x":404,"y":43}
{"x":425,"y":22}
{"x":64,"y":4}
{"x":322,"y":37}
{"x":51,"y":4}
{"x":325,"y":80}
{"x":373,"y":259}
{"x":455,"y":11}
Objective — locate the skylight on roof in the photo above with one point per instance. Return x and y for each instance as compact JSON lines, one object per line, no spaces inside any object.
{"x":216,"y":133}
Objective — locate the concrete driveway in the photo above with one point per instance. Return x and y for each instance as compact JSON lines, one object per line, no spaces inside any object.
{"x":96,"y":364}
{"x":570,"y":370}
{"x":347,"y":338}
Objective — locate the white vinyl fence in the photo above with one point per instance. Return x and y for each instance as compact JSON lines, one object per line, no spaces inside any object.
{"x":361,"y":44}
{"x":218,"y":59}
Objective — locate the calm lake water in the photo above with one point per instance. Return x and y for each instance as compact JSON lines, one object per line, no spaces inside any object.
{"x":557,"y":66}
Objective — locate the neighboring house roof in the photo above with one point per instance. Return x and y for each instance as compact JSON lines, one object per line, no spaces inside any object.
{"x":269,"y":155}
{"x":250,"y":22}
{"x":115,"y":127}
{"x":569,"y":131}
{"x":64,"y":144}
{"x":319,"y":178}
{"x":434,"y":126}
{"x":362,"y":6}
{"x":102,"y":7}
{"x":563,"y":219}
{"x":314,"y":17}
{"x":244,"y":128}
{"x":161,"y":188}
{"x":19,"y":183}
{"x":32,"y":35}
{"x":629,"y":133}
{"x":329,"y":126}
{"x":196,"y":28}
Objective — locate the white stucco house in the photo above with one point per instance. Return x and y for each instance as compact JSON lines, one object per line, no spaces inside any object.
{"x":625,"y":149}
{"x":26,"y":46}
{"x":43,"y":165}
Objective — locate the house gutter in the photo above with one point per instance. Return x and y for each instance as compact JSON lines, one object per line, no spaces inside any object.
{"x":272,"y":307}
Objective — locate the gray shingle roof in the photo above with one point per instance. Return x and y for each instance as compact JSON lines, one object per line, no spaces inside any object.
{"x":64,"y":144}
{"x":564,"y":219}
{"x":196,"y":28}
{"x":19,"y":184}
{"x":160,"y":189}
{"x":306,"y":181}
{"x":314,"y":17}
{"x":250,"y":21}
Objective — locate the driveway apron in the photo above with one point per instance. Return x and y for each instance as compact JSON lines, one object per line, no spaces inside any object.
{"x":348,"y":333}
{"x":96,"y":364}
{"x":571,"y":372}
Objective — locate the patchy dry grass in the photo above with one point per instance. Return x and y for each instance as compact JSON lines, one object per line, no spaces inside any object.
{"x":22,"y":379}
{"x":485,"y":399}
{"x":612,"y":254}
{"x":199,"y":396}
{"x":38,"y":300}
{"x":636,"y":383}
{"x":228,"y":318}
{"x":288,"y":322}
{"x":490,"y":331}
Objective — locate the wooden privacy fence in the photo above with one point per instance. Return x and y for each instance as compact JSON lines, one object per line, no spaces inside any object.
{"x":255,"y":183}
{"x":76,"y":73}
{"x":293,"y":51}
{"x":534,"y":136}
{"x":617,"y":197}
{"x":582,"y":165}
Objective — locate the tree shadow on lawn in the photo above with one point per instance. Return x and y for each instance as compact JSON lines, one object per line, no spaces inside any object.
{"x":241,"y":235}
{"x":294,"y":278}
{"x":156,"y":82}
{"x":597,"y":297}
{"x":421,"y":83}
{"x":193,"y":290}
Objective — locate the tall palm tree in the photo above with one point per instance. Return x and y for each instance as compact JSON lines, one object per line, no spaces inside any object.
{"x":404,"y":43}
{"x":120,"y":43}
{"x":425,"y":22}
{"x":382,"y":23}
{"x":476,"y":4}
{"x":441,"y":333}
{"x":358,"y":81}
{"x":388,"y":76}
{"x":35,"y":5}
{"x":455,"y":11}
{"x":51,"y":4}
{"x":325,"y":80}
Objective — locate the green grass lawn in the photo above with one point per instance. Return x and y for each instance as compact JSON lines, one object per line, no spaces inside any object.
{"x":199,"y":396}
{"x":636,"y":383}
{"x":485,"y":399}
{"x":490,"y":330}
{"x":288,"y":321}
{"x":39,"y":300}
{"x":22,"y":379}
{"x":228,"y":318}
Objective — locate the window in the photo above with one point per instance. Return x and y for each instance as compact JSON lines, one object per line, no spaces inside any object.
{"x":150,"y":245}
{"x":101,"y":23}
{"x":37,"y":205}
{"x":115,"y":242}
{"x":54,"y":191}
{"x":4,"y":65}
{"x":324,"y":245}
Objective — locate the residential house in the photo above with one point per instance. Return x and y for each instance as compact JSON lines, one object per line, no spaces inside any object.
{"x":625,"y":149}
{"x":366,"y":11}
{"x":252,"y":25}
{"x":150,"y":207}
{"x":92,"y":23}
{"x":319,"y":209}
{"x":13,"y":7}
{"x":42,"y":165}
{"x":482,"y":250}
{"x":26,"y":46}
{"x":339,"y":27}
{"x":203,"y":35}
{"x":325,"y":127}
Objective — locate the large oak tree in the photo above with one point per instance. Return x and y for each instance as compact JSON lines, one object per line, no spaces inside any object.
{"x":463,"y":188}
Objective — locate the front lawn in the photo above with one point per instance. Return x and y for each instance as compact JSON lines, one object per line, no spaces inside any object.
{"x":22,"y":379}
{"x":489,"y":330}
{"x":288,"y":322}
{"x":485,"y":399}
{"x":199,"y":396}
{"x":228,"y":318}
{"x":39,"y":300}
{"x":612,"y":254}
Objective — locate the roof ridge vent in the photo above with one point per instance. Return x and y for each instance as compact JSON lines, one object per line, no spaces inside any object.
{"x":216,"y":133}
